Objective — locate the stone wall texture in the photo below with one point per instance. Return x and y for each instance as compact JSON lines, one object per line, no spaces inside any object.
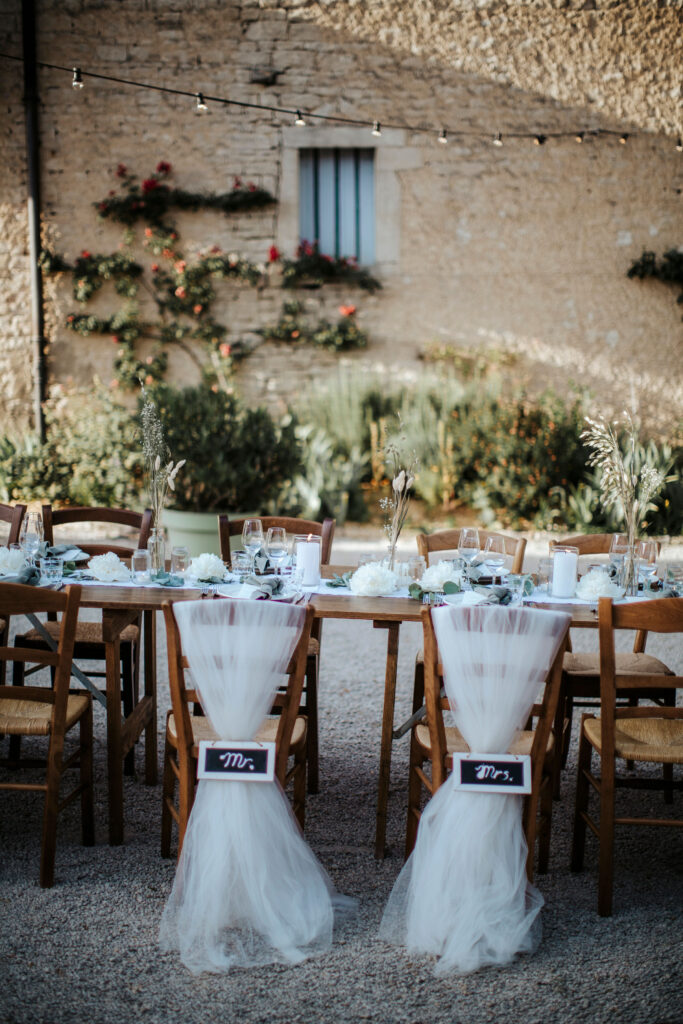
{"x":523,"y":247}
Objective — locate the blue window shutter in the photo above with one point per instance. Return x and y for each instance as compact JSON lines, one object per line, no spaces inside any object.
{"x":366,"y":208}
{"x":337,"y":201}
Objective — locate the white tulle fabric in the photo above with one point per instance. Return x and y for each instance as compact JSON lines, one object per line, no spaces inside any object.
{"x":248,"y":890}
{"x":463,"y":893}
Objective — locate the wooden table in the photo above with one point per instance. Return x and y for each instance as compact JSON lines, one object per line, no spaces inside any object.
{"x":121,"y":605}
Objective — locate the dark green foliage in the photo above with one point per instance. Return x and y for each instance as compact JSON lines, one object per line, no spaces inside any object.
{"x":292,"y":327}
{"x":669,"y":269}
{"x":237,"y":459}
{"x":310,"y":266}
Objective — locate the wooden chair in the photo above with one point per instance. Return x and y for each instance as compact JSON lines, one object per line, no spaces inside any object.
{"x":581,"y":669}
{"x":636,"y":734}
{"x":14,"y":515}
{"x":43,"y":711}
{"x":185,"y":731}
{"x":89,"y":645}
{"x":434,"y":742}
{"x":447,"y":540}
{"x":228,"y":528}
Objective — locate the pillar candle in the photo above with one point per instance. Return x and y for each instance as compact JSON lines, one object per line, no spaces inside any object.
{"x":565,"y":564}
{"x":308,"y":561}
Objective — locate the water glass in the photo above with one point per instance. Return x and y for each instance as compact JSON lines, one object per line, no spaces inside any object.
{"x":180,"y":561}
{"x":31,"y":535}
{"x":276,"y":546}
{"x":646,"y":553}
{"x":417,"y":567}
{"x":240,"y":562}
{"x":516,"y":581}
{"x":50,"y":570}
{"x":140,"y":565}
{"x":494,"y":554}
{"x":252,"y":537}
{"x":544,"y":574}
{"x":674,"y":579}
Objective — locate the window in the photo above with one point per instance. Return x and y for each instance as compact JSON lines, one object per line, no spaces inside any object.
{"x":337,"y":201}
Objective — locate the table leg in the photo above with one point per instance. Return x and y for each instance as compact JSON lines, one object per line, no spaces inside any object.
{"x":387,"y":730}
{"x":114,"y":741}
{"x":150,"y":667}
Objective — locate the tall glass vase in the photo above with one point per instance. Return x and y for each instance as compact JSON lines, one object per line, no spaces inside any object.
{"x":629,"y":572}
{"x":156,"y":545}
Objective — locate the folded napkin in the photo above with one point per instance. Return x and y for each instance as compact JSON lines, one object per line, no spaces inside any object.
{"x":265,"y":587}
{"x":108,"y":568}
{"x":68,"y":552}
{"x":29,"y":576}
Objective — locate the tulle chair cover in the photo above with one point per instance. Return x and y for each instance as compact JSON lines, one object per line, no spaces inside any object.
{"x":248,"y":890}
{"x":463,"y":893}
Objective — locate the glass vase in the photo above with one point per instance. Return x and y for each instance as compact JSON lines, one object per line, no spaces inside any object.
{"x":629,"y":572}
{"x":156,"y":545}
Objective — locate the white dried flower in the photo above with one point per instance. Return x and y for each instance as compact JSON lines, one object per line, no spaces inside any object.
{"x":12,"y":561}
{"x":373,"y":580}
{"x":597,"y":583}
{"x":398,"y":482}
{"x":435,"y":576}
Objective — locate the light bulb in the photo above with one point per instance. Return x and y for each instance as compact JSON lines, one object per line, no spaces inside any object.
{"x":298,"y":120}
{"x":498,"y":139}
{"x":376,"y":129}
{"x":443,"y":136}
{"x":202,"y":108}
{"x":77,"y":81}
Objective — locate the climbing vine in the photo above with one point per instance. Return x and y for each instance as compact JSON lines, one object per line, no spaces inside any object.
{"x":669,"y":269}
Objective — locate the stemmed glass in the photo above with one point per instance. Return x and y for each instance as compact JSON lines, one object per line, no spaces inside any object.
{"x":494,"y":554}
{"x":31,"y":536}
{"x":646,"y":553}
{"x":276,"y":546}
{"x":617,"y":549}
{"x":468,"y":547}
{"x":252,"y":538}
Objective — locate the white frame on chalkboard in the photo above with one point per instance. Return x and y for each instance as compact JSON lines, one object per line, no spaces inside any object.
{"x":239,"y":747}
{"x":485,"y":787}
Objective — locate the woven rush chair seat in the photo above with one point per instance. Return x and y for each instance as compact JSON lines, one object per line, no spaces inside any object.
{"x":313,"y":647}
{"x":641,"y":739}
{"x":455,"y":744}
{"x":86,"y":633}
{"x":202,"y":731}
{"x":28,"y":718}
{"x":581,"y":663}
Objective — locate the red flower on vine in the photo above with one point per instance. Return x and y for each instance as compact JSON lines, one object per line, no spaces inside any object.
{"x":163,"y":167}
{"x":85,"y":254}
{"x":70,"y":318}
{"x":347,"y":310}
{"x":149,"y":184}
{"x":274,"y":254}
{"x":148,"y":232}
{"x":251,"y":186}
{"x":154,"y":268}
{"x":197,"y":309}
{"x":180,"y":292}
{"x":121,"y":171}
{"x":224,"y":350}
{"x":237,"y":182}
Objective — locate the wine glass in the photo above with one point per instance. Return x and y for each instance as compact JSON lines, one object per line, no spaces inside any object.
{"x":252,"y":538}
{"x":494,"y":554}
{"x":646,"y":553}
{"x":617,"y":550}
{"x":276,"y":546}
{"x":31,"y":536}
{"x":468,"y":546}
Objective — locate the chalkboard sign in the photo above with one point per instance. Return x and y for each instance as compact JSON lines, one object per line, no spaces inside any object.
{"x":243,"y":761}
{"x":492,"y":773}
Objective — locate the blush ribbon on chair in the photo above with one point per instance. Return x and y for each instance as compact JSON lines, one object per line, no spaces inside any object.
{"x":463,"y":893}
{"x":248,"y":890}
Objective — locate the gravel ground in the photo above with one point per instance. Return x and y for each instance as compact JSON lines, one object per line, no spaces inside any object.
{"x":86,"y":950}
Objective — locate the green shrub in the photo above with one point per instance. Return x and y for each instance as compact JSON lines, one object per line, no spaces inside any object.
{"x":237,"y":459}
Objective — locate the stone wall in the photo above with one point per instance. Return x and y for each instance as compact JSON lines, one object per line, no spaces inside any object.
{"x":522,"y":247}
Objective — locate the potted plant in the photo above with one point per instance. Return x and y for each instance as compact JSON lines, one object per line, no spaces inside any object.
{"x":237,"y":460}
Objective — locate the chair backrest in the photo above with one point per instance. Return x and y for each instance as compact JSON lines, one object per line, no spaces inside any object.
{"x":436,"y":704}
{"x":663,"y":616}
{"x":16,"y":599}
{"x":228,"y":528}
{"x":590,"y":543}
{"x":287,"y":700}
{"x":140,"y":521}
{"x":12,"y":514}
{"x":447,"y":540}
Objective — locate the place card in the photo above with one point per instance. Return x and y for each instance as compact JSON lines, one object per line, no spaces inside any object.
{"x":243,"y":761}
{"x":497,"y":773}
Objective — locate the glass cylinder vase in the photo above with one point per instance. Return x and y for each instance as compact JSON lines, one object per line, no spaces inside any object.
{"x":628,"y":572}
{"x":156,"y":545}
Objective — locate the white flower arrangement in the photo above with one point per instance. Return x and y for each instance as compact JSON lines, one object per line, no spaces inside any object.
{"x":597,"y":583}
{"x":373,"y":580}
{"x":435,"y":576}
{"x":12,"y":561}
{"x":108,"y":568}
{"x":207,"y":567}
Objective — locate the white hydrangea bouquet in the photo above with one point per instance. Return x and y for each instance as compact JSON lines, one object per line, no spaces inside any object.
{"x":374,"y":579}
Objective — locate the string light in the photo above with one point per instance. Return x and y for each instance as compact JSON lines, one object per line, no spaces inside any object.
{"x":679,"y":145}
{"x":442,"y":137}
